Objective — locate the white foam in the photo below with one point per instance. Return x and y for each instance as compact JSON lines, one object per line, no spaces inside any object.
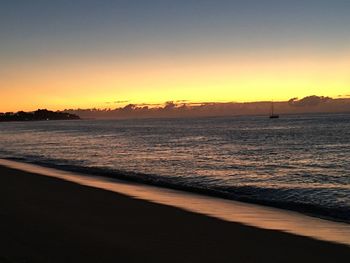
{"x":228,"y":210}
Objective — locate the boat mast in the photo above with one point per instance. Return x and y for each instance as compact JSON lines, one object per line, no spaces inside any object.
{"x":273,"y":115}
{"x":272,"y":109}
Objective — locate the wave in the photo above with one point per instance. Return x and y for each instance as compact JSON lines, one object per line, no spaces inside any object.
{"x":275,"y":197}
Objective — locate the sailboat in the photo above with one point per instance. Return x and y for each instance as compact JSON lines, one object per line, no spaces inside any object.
{"x":273,"y":115}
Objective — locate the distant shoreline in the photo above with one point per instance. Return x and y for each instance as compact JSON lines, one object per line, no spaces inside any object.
{"x":38,"y":115}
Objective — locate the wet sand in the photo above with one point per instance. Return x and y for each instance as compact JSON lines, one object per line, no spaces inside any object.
{"x":45,"y":219}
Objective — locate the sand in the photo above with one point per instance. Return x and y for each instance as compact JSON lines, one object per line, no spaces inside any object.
{"x":45,"y":219}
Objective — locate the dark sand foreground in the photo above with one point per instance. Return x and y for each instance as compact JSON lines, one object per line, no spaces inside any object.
{"x":49,"y":220}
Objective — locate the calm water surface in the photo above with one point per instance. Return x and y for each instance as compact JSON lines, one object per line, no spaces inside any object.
{"x":296,"y":162}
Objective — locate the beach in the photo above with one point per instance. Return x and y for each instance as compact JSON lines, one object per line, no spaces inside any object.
{"x":50,"y":220}
{"x":175,"y":131}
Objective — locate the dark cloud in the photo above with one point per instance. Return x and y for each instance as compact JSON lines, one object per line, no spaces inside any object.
{"x":116,"y":102}
{"x":309,"y":101}
{"x":169,"y":105}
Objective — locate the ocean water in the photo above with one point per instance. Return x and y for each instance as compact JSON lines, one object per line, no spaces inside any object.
{"x":295,"y":162}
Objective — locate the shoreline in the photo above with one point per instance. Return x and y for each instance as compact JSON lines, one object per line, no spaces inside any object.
{"x":228,"y":210}
{"x":45,"y":219}
{"x":333,"y":214}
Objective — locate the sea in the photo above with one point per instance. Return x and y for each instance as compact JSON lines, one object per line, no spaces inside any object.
{"x":296,"y":162}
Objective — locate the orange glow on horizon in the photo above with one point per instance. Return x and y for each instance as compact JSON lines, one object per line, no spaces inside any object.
{"x":60,"y":84}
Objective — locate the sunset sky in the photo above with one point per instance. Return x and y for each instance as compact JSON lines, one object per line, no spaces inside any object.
{"x":84,"y":53}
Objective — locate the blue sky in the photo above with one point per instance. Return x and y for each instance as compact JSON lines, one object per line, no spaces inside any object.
{"x":167,"y":26}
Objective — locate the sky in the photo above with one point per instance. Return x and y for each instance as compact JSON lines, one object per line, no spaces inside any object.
{"x":104,"y":53}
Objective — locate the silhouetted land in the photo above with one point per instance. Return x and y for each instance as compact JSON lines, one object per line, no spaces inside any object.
{"x":45,"y":219}
{"x":184,"y":109}
{"x":39,"y":115}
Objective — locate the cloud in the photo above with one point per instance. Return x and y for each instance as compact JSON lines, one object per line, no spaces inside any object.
{"x":309,"y":101}
{"x":129,"y":107}
{"x":117,"y":102}
{"x":169,"y":105}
